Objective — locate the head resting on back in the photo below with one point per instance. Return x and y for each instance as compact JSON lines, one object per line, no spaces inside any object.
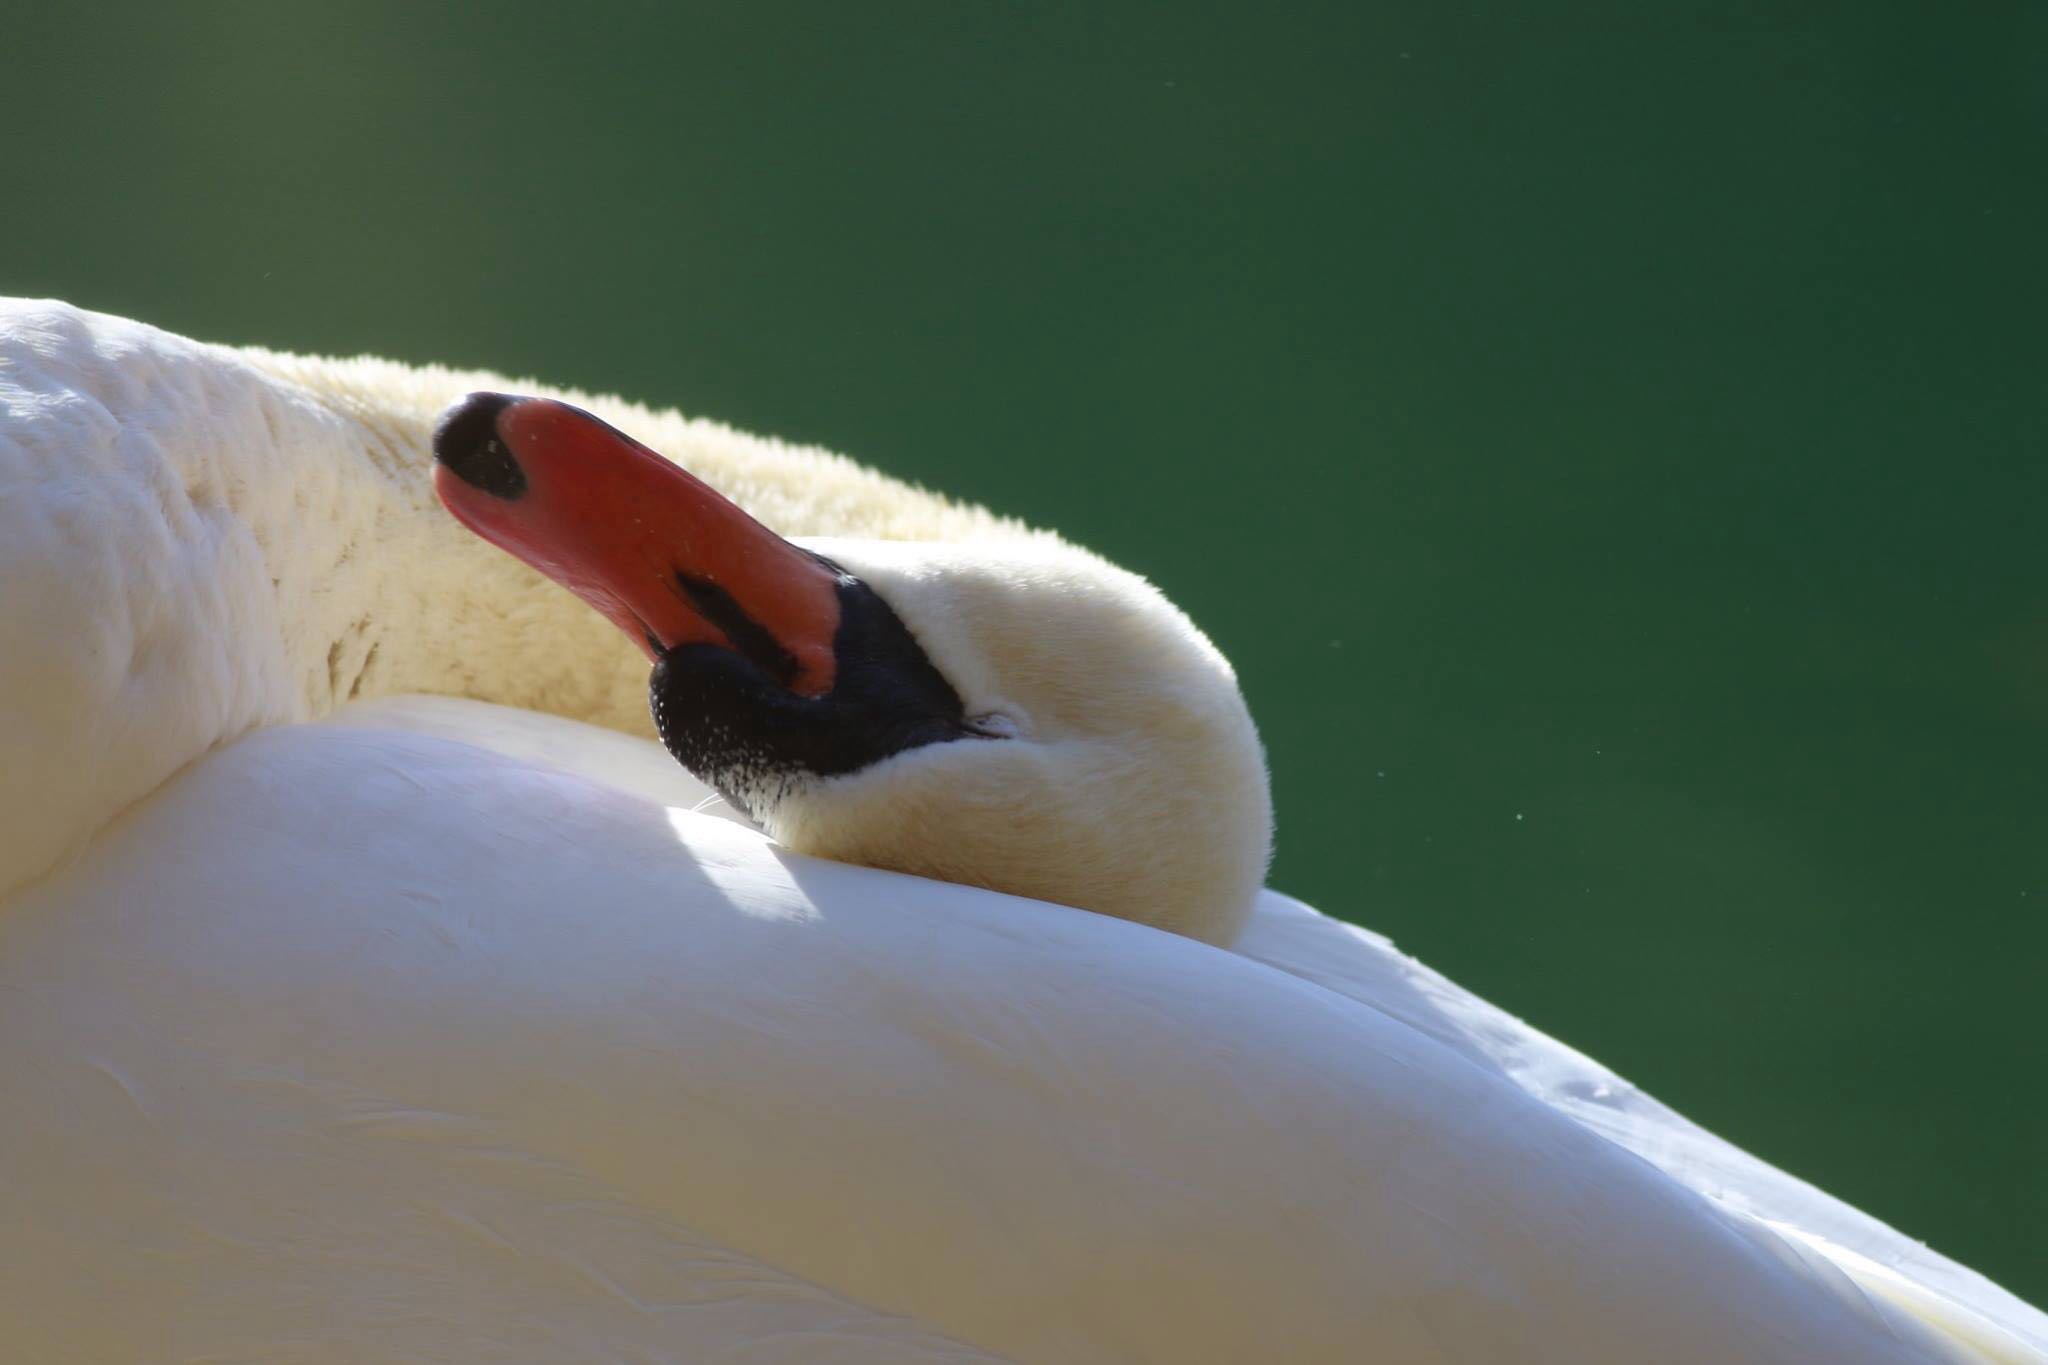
{"x":1015,"y":714}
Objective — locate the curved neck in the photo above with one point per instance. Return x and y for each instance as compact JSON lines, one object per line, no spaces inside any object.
{"x":197,"y":541}
{"x":383,"y":591}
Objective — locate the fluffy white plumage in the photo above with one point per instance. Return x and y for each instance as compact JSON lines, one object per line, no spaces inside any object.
{"x":447,"y":1032}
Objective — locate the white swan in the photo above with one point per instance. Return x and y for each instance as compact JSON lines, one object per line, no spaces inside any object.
{"x":446,"y":1031}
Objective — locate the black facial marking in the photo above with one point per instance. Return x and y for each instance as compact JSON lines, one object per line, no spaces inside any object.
{"x":715,"y":605}
{"x":731,"y":719}
{"x":467,"y":442}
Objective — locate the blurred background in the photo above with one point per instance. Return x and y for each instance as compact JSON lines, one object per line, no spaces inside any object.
{"x":1609,"y":438}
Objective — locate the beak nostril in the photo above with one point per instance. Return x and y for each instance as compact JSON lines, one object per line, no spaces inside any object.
{"x":468,"y":442}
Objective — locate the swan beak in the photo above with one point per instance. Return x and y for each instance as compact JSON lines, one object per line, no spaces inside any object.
{"x":660,"y":554}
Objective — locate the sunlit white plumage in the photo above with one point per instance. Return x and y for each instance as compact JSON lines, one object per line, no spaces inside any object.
{"x":444,"y":1031}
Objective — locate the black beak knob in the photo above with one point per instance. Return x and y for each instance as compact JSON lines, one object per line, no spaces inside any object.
{"x":468,"y":443}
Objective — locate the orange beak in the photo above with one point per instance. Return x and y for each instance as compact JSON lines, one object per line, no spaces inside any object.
{"x":660,"y":554}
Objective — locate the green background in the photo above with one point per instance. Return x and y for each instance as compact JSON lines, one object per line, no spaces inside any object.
{"x":1608,"y":437}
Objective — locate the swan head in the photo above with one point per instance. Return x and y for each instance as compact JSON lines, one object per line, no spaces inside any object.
{"x":1013,"y":713}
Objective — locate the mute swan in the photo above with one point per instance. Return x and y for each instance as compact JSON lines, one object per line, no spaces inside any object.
{"x":425,"y":1028}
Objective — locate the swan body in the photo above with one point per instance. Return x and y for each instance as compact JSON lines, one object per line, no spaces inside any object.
{"x":345,"y":1023}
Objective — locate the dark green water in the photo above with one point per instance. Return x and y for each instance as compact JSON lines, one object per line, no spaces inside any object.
{"x":1609,"y":437}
